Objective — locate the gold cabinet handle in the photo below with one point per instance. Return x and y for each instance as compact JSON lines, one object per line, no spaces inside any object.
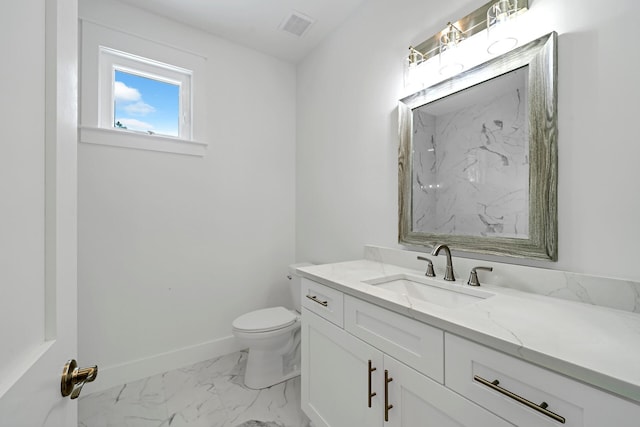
{"x":315,"y":299}
{"x":387,"y":380}
{"x":542,"y":408}
{"x":371,"y":369}
{"x":74,"y":378}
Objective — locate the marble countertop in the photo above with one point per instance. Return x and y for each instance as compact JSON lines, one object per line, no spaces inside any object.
{"x":597,"y":345}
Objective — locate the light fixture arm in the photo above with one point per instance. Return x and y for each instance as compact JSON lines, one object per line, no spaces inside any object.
{"x":415,"y":57}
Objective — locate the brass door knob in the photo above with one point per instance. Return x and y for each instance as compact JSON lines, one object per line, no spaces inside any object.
{"x":74,"y":378}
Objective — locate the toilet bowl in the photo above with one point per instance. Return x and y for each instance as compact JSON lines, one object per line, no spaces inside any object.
{"x":273,"y":338}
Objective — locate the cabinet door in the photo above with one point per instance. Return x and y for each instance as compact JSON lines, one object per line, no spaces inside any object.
{"x":421,"y":402}
{"x":335,"y":376}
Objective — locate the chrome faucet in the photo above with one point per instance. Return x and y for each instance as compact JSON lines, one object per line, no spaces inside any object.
{"x":430,"y":272}
{"x":448,"y":275}
{"x":473,"y":276}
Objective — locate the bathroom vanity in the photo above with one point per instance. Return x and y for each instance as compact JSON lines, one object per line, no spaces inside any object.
{"x":382,"y":345}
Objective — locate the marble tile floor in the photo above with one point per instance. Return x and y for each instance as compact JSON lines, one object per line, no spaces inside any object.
{"x":207,"y":394}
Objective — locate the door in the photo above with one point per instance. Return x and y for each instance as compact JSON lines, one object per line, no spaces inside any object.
{"x":416,"y":400}
{"x":338,"y":373}
{"x":38,"y":143}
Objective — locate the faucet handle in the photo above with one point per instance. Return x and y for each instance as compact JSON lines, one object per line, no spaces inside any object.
{"x":473,"y":277}
{"x":430,"y":272}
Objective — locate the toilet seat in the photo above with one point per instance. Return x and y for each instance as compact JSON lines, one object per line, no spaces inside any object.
{"x":264,"y":320}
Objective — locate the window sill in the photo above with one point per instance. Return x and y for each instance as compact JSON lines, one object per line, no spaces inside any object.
{"x":140,"y":141}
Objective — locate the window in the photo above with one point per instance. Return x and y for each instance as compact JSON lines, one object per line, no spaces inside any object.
{"x":143,"y":95}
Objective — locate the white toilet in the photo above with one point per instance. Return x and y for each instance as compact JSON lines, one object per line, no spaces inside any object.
{"x":273,"y":338}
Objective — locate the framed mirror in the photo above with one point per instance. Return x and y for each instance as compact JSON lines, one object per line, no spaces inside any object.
{"x":478,"y":157}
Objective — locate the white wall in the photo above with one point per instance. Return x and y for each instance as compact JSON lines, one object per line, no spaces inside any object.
{"x":172,"y":248}
{"x":347,"y":143}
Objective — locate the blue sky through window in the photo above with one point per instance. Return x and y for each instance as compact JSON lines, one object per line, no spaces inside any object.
{"x":147,"y":105}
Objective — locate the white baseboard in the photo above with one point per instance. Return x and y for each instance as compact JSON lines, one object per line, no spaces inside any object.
{"x":112,"y":376}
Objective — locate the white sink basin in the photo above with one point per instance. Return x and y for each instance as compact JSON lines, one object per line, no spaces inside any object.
{"x":452,"y":295}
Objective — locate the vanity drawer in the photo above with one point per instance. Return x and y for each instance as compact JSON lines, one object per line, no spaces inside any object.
{"x":326,"y":302}
{"x":416,"y":344}
{"x":528,"y":395}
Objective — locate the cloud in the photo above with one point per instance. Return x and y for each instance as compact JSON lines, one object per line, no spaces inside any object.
{"x":134,"y":124}
{"x":122,"y":92}
{"x":139,"y":108}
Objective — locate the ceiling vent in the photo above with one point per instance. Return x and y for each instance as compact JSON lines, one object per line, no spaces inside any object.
{"x":297,"y":24}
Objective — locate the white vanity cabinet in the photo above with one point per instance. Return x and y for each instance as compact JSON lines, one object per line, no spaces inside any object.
{"x":367,"y":366}
{"x":367,"y":361}
{"x":347,"y":382}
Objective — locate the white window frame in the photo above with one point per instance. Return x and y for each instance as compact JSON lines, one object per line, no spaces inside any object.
{"x":105,"y":50}
{"x":112,"y":60}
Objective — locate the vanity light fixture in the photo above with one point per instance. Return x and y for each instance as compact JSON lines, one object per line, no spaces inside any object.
{"x":496,"y":17}
{"x":501,"y":29}
{"x":450,"y":62}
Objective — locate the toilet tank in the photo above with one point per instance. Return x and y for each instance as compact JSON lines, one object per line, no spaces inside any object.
{"x":295,"y":284}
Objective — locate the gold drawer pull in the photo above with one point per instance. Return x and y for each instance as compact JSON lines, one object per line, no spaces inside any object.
{"x":371,"y":369}
{"x":387,"y":380}
{"x":315,"y":299}
{"x":542,"y":408}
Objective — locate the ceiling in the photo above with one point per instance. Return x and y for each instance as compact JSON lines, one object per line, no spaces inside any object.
{"x":255,"y":23}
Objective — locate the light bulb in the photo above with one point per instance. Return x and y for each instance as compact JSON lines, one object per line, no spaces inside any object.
{"x":500,"y":26}
{"x":450,"y":63}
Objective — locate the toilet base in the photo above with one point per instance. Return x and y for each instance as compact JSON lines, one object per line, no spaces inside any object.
{"x":269,"y":367}
{"x":259,"y":376}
